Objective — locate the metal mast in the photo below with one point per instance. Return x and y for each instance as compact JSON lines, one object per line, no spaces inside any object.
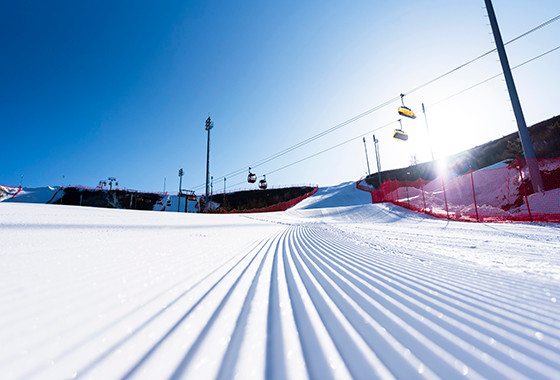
{"x":209,"y":126}
{"x":521,"y":125}
{"x":367,"y":159}
{"x":224,"y":190}
{"x":377,"y":158}
{"x":181,"y":172}
{"x":429,"y":136}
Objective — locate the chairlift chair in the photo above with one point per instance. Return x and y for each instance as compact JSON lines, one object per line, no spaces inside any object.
{"x":262,"y":183}
{"x":399,"y":134}
{"x":251,"y":177}
{"x":405,"y":111}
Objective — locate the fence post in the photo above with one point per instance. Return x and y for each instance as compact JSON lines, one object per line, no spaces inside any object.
{"x":445,"y":196}
{"x":423,"y":197}
{"x":407,"y":197}
{"x":524,"y":191}
{"x":474,"y":196}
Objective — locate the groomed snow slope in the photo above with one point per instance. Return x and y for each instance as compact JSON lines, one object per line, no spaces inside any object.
{"x":332,"y":288}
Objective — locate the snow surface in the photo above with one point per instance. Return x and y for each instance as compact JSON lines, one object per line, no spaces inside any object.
{"x":48,"y":194}
{"x":335,"y":287}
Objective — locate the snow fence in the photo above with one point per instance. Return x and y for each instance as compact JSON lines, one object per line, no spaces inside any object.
{"x":491,"y":195}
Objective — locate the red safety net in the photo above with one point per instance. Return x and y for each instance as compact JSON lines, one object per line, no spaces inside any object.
{"x":282,"y":206}
{"x":490,"y":195}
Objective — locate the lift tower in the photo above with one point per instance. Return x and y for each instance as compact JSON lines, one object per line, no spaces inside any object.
{"x":521,"y":125}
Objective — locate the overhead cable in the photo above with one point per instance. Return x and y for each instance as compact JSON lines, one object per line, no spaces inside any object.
{"x":395,"y":121}
{"x":376,"y":108}
{"x":493,"y":77}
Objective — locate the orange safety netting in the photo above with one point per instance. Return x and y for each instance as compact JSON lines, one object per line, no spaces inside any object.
{"x":491,"y":195}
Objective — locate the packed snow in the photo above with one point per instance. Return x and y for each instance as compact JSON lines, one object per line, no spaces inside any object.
{"x":46,"y":194}
{"x":334,"y":287}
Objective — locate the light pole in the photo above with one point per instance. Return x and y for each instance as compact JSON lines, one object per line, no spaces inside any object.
{"x":516,"y":104}
{"x":181,"y":172}
{"x":111,"y":180}
{"x":209,"y":126}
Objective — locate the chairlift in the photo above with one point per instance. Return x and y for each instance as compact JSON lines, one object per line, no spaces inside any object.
{"x":405,"y":111}
{"x":262,"y":183}
{"x":399,"y":134}
{"x":251,"y":177}
{"x":191,"y":196}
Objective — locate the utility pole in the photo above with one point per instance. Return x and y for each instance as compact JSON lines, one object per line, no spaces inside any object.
{"x":211,"y":187}
{"x":164,"y":184}
{"x":181,"y":172}
{"x":377,"y":158}
{"x":516,"y":104}
{"x":224,"y":190}
{"x":367,"y":160}
{"x":209,"y":126}
{"x":429,"y":136}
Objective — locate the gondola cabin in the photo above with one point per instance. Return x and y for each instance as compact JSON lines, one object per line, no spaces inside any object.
{"x":251,"y":177}
{"x":407,"y":112}
{"x":262,"y":184}
{"x":168,"y":203}
{"x":400,"y":135}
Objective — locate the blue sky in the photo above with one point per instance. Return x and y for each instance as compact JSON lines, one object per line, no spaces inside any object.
{"x":98,"y":89}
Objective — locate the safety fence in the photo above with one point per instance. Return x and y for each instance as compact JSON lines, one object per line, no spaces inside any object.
{"x":491,"y":195}
{"x":282,"y":206}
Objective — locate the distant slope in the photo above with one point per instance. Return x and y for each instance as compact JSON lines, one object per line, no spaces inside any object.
{"x":341,"y":195}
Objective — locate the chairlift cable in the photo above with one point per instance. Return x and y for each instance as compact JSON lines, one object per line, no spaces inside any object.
{"x":395,"y":121}
{"x":494,"y":77}
{"x":382,"y":105}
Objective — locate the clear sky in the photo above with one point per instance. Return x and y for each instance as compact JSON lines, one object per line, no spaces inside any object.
{"x":95,"y":89}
